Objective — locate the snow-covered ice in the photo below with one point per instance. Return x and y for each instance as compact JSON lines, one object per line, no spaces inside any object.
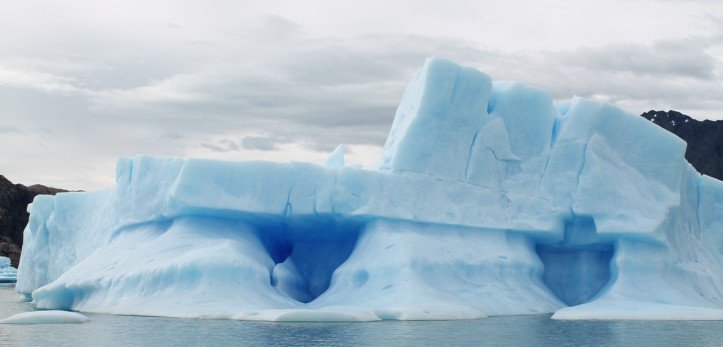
{"x":46,"y":317}
{"x":8,"y":274}
{"x":488,"y":200}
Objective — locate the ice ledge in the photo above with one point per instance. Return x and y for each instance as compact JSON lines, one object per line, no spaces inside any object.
{"x":636,"y":310}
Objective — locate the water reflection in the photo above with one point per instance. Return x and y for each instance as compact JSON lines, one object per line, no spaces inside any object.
{"x":535,"y":330}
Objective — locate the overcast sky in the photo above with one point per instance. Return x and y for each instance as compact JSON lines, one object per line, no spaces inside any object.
{"x":84,"y":82}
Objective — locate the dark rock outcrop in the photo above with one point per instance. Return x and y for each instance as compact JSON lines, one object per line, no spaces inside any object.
{"x":14,"y":200}
{"x":704,"y":138}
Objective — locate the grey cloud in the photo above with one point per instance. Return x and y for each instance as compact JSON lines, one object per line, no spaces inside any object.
{"x":214,"y":148}
{"x":10,"y":130}
{"x":274,"y":81}
{"x":259,"y":143}
{"x":676,"y":58}
{"x":174,"y":25}
{"x":222,"y":146}
{"x":345,"y":90}
{"x":172,"y":136}
{"x":328,"y":85}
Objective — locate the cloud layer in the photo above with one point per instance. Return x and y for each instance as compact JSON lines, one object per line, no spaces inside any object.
{"x":259,"y":85}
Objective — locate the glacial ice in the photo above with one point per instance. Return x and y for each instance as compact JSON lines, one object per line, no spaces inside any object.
{"x":46,"y":317}
{"x":489,"y":200}
{"x":8,"y":274}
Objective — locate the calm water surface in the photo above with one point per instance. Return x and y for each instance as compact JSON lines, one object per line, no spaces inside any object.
{"x":538,"y":330}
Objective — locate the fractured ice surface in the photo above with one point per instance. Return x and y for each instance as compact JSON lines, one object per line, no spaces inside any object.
{"x":489,"y":200}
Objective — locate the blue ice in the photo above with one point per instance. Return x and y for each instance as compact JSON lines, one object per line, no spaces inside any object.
{"x":489,"y":199}
{"x":8,"y":274}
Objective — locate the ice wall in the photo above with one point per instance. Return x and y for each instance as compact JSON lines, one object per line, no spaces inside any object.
{"x":489,"y":200}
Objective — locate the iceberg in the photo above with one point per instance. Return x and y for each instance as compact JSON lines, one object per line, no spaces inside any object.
{"x":8,"y":274}
{"x":46,"y":317}
{"x":489,"y":199}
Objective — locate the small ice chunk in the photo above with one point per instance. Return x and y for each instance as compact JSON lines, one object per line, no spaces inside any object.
{"x":46,"y":317}
{"x":8,"y":274}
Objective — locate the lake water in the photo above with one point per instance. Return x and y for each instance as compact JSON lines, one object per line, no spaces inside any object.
{"x":536,"y":330}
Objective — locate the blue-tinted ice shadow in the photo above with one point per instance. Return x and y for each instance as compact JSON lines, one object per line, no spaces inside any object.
{"x":307,"y":250}
{"x":578,"y":267}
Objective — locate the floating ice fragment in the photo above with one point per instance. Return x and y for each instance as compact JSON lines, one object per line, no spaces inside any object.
{"x":46,"y":317}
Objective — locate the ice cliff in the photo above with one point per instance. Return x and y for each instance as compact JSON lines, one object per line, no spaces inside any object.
{"x":489,"y":200}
